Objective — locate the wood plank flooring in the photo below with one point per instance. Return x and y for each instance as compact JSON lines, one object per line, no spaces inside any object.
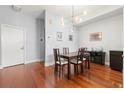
{"x":35,"y":75}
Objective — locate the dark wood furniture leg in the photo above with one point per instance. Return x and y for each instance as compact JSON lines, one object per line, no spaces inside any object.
{"x":74,"y":69}
{"x":68,"y":68}
{"x":88,"y":64}
{"x":82,"y":67}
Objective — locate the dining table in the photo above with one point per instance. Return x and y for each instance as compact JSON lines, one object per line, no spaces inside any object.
{"x":68,"y":57}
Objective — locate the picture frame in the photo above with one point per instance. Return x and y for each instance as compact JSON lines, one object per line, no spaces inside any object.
{"x":70,"y":37}
{"x":96,"y":36}
{"x":59,"y":36}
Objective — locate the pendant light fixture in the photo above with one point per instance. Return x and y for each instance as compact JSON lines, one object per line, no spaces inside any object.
{"x":72,"y":30}
{"x":78,"y":18}
{"x":62,"y":21}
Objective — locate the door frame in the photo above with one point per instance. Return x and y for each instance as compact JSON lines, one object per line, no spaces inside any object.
{"x":24,"y":38}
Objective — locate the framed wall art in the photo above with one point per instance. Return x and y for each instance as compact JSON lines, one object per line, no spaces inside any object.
{"x":96,"y":36}
{"x":70,"y":37}
{"x":59,"y":36}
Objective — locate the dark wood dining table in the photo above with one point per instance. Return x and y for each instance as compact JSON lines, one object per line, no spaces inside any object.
{"x":69,"y":56}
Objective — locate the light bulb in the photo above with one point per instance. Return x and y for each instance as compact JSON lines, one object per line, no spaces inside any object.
{"x":62,"y":21}
{"x":72,"y":30}
{"x":76,"y":18}
{"x":84,"y":12}
{"x":80,"y":19}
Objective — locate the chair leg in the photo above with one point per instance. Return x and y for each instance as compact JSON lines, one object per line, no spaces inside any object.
{"x":77,"y":68}
{"x":81,"y":67}
{"x":55,"y":69}
{"x":59,"y":71}
{"x":85,"y":64}
{"x":74,"y":68}
{"x":62,"y":70}
{"x":88,"y":64}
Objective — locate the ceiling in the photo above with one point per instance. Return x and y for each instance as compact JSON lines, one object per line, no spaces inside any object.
{"x":94,"y":12}
{"x":64,"y":11}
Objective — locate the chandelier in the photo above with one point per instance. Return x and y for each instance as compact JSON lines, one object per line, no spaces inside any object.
{"x":75,"y":19}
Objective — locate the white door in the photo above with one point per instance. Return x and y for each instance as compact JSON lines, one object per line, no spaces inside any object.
{"x":12,"y":45}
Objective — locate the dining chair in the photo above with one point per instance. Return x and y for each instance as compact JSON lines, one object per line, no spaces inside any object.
{"x":86,"y":57}
{"x":65,"y":50}
{"x":78,"y":61}
{"x":59,"y":63}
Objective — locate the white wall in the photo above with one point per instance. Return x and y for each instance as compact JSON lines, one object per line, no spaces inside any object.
{"x":123,"y":46}
{"x":10,"y":17}
{"x":51,"y":41}
{"x":112,"y":31}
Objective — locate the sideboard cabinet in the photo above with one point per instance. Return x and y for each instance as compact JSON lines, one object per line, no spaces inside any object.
{"x":97,"y":57}
{"x":116,"y":60}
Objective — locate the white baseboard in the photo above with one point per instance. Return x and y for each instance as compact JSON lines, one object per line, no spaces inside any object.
{"x":32,"y":61}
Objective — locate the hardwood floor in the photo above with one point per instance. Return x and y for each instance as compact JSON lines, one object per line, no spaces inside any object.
{"x":35,"y":75}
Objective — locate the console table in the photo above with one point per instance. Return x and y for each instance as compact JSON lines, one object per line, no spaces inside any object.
{"x":97,"y":57}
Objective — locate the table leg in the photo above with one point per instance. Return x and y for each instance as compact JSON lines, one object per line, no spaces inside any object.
{"x":68,"y":68}
{"x":89,"y":63}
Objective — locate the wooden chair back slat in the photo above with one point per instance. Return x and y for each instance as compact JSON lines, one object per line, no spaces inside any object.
{"x":56,"y":55}
{"x":65,"y":50}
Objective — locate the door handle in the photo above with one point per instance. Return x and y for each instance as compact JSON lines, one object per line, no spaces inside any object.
{"x":22,"y":48}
